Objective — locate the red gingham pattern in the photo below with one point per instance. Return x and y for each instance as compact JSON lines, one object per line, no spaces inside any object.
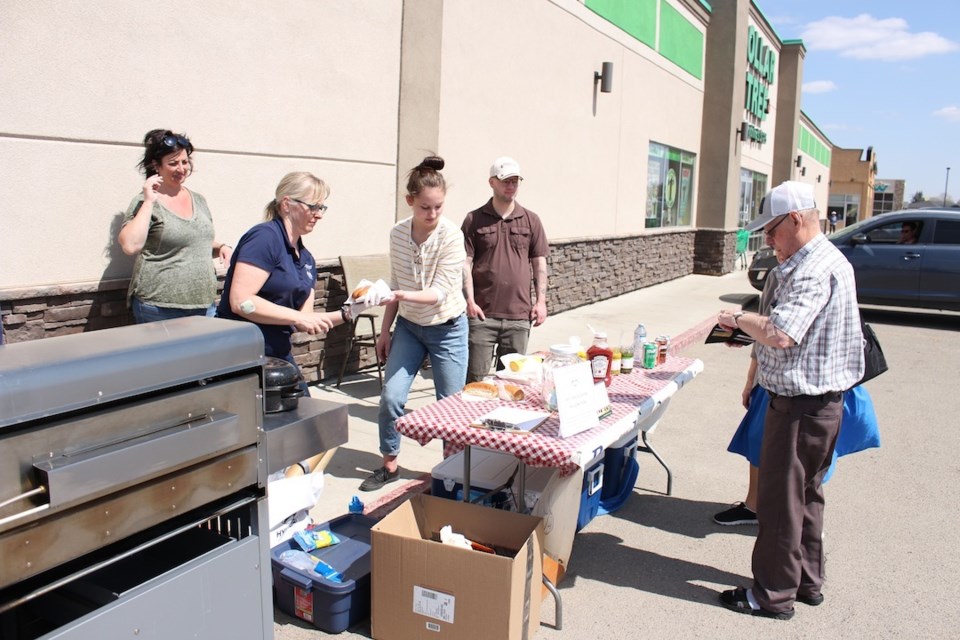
{"x":451,"y":417}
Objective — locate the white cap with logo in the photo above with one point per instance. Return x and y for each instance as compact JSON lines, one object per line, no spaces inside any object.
{"x":781,"y":200}
{"x":504,"y":168}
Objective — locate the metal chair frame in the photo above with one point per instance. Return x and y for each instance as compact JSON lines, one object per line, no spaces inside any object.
{"x":355,"y":269}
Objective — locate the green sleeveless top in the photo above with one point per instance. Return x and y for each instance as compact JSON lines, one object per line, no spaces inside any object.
{"x":175,"y":266}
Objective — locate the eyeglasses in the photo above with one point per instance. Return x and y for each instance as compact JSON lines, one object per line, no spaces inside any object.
{"x":314,"y":208}
{"x":769,"y":232}
{"x":174,"y":141}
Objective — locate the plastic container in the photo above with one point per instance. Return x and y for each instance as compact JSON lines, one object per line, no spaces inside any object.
{"x":639,"y":337}
{"x":488,"y":470}
{"x":561,"y":355}
{"x":617,"y":460}
{"x":590,"y":494}
{"x":326,"y":604}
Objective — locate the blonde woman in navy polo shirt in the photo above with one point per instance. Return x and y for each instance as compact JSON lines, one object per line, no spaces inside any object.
{"x":272,"y":275}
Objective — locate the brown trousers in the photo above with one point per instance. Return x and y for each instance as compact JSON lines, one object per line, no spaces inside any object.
{"x":798,"y":440}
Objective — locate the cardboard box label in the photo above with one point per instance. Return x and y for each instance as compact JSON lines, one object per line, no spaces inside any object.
{"x":433,"y":604}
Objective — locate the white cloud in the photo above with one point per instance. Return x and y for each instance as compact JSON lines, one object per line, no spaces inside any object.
{"x":819,"y":86}
{"x":869,"y":38}
{"x":951,"y":113}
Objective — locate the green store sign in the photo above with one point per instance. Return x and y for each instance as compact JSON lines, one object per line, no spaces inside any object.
{"x":761,"y":72}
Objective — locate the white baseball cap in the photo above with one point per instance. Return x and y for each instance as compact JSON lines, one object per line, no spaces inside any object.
{"x":504,"y":168}
{"x":781,"y":200}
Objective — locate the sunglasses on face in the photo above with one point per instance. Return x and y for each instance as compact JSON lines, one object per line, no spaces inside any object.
{"x":314,"y":208}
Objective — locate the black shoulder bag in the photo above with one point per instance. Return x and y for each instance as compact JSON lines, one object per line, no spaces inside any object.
{"x":873,"y":361}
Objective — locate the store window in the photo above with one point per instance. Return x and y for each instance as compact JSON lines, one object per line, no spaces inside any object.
{"x":846,"y":206}
{"x":882,"y":202}
{"x":669,"y":186}
{"x":752,"y":188}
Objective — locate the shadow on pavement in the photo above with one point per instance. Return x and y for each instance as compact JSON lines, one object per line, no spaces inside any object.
{"x":690,"y":518}
{"x":609,"y":559}
{"x":909,"y":318}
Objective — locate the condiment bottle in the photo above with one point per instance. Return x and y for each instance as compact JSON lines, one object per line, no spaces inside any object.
{"x":616,"y":362}
{"x":561,"y":355}
{"x":626,"y":359}
{"x":600,"y":357}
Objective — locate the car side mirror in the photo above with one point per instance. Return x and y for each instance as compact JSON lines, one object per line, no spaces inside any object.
{"x":859,"y":238}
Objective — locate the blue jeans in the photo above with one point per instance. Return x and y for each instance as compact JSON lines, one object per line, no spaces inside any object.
{"x":447,"y":346}
{"x":145,"y":312}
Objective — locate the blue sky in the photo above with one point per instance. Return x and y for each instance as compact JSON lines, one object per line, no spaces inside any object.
{"x":883,"y":74}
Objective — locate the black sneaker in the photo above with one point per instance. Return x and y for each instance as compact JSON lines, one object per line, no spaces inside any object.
{"x":737,"y":514}
{"x":379,"y":478}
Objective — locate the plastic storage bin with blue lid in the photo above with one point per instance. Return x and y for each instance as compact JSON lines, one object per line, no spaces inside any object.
{"x":329,"y":606}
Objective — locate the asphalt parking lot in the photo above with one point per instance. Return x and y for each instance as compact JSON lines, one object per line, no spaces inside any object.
{"x":654,"y":567}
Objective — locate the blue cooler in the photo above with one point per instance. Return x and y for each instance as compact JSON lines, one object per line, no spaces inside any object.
{"x":590,"y":495}
{"x":488,"y":471}
{"x":329,"y":606}
{"x":617,"y":460}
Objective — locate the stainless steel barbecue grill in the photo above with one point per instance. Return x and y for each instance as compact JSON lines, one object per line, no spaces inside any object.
{"x":133,"y":466}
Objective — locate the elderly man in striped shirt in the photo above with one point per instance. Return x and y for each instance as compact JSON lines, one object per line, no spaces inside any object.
{"x":809,"y":351}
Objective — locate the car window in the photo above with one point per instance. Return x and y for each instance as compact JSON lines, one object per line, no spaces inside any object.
{"x":900,"y":232}
{"x":947,"y":232}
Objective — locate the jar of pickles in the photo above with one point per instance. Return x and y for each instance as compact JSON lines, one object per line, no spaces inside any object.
{"x":561,"y":355}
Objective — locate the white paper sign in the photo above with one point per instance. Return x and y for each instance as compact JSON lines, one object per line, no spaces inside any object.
{"x":576,"y":402}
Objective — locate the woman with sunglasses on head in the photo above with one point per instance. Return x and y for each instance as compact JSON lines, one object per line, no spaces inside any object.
{"x":170,"y":230}
{"x":272,"y":276}
{"x":427,"y":255}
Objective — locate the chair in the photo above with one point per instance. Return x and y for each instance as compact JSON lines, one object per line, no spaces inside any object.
{"x":355,"y":269}
{"x":743,"y":238}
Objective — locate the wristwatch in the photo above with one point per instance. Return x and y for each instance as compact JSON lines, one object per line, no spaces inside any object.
{"x":736,"y":317}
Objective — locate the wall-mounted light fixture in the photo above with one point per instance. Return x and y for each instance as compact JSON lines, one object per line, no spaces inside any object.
{"x":803,"y":171}
{"x":744,"y":131}
{"x":604,"y":77}
{"x":799,"y":160}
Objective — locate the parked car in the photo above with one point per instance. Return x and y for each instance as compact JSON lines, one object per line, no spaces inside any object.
{"x":892,"y":268}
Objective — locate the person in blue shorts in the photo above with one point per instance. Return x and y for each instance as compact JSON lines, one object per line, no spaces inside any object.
{"x":858,"y":428}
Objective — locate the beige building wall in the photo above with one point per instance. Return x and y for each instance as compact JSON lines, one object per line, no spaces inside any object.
{"x":262,"y":88}
{"x":853,"y":172}
{"x":583,"y":153}
{"x":812,"y":170}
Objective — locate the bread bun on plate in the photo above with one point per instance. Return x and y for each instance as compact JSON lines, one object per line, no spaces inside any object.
{"x":482,"y":390}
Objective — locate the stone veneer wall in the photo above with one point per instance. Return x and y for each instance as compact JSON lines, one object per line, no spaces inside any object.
{"x":715,"y":251}
{"x":587,"y":270}
{"x":582,"y":271}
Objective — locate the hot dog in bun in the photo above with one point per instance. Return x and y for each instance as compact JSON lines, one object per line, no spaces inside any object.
{"x":359,"y":292}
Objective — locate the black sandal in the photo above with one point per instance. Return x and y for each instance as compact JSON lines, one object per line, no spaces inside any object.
{"x":736,"y":600}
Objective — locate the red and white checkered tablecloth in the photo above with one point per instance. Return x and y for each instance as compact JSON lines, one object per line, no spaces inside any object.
{"x":630,"y":395}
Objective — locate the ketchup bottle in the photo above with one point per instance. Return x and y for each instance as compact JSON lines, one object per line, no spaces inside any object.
{"x":600,"y":357}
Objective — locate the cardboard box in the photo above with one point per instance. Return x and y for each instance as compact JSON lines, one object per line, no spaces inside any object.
{"x":425,"y":589}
